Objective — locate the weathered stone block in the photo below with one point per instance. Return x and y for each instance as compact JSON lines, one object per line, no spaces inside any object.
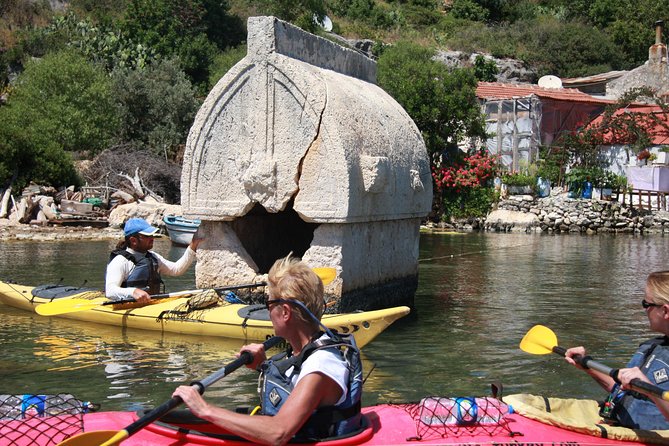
{"x":297,"y":149}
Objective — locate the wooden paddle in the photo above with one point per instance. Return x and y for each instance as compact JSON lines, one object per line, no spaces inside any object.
{"x":66,"y":306}
{"x":541,"y":340}
{"x":111,"y":438}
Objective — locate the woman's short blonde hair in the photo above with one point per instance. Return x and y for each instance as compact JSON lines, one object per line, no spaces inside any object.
{"x":290,"y":278}
{"x":658,"y":286}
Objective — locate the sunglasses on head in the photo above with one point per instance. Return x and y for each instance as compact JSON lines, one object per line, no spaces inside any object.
{"x":645,"y":304}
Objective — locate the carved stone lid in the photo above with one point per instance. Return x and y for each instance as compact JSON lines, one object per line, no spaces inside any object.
{"x":300,"y":118}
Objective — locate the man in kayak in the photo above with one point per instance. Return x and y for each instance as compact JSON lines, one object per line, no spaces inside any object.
{"x":650,"y":363}
{"x":134,"y":270}
{"x":313,"y":391}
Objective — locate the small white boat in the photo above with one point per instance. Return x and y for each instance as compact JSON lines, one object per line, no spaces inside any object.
{"x":180,"y":229}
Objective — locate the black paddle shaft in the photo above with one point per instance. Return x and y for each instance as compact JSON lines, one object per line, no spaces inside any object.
{"x":588,"y":363}
{"x":244,"y":358}
{"x":166,"y":295}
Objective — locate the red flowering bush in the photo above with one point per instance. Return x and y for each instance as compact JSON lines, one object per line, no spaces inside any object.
{"x":473,"y":172}
{"x":464,"y":187}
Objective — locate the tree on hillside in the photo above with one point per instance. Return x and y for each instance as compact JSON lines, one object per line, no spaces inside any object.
{"x":16,"y":15}
{"x":60,"y":105}
{"x":102,"y":45}
{"x":566,"y":49}
{"x":303,"y":13}
{"x":175,"y":28}
{"x":224,"y":61}
{"x":442,"y":102}
{"x":102,"y":12}
{"x":157,"y":106}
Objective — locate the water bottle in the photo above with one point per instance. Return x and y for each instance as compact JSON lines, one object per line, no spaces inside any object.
{"x":10,"y":407}
{"x":462,"y":411}
{"x":491,"y":410}
{"x":436,"y":411}
{"x":62,"y":404}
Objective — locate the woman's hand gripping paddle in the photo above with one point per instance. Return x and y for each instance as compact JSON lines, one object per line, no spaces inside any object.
{"x":111,"y":438}
{"x":66,"y":306}
{"x":541,"y":340}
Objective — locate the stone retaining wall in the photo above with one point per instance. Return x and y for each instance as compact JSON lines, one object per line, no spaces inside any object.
{"x":559,"y":214}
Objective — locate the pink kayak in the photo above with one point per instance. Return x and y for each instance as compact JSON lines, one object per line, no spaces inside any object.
{"x":385,"y":424}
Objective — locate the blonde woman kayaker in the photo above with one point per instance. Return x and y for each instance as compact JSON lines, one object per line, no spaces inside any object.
{"x":134,"y":270}
{"x":650,"y":363}
{"x":311,"y":392}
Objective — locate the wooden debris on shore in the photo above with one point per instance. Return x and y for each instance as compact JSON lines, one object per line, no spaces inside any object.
{"x":4,"y":202}
{"x":43,"y":205}
{"x":25,"y":210}
{"x":108,"y":186}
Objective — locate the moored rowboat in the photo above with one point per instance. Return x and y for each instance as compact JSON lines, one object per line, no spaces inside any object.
{"x":180,"y":229}
{"x":177,"y":315}
{"x":385,"y":424}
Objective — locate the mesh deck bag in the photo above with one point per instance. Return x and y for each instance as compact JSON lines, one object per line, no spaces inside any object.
{"x":441,"y":417}
{"x":40,"y":419}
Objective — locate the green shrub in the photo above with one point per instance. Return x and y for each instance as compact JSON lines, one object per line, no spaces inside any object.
{"x":469,"y":10}
{"x":158,"y":105}
{"x":60,"y":105}
{"x":467,"y":203}
{"x":519,"y":179}
{"x":442,"y":102}
{"x":223,"y":62}
{"x":611,"y":180}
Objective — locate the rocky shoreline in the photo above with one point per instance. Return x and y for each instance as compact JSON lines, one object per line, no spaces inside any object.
{"x":10,"y":229}
{"x":559,"y":214}
{"x":521,"y":213}
{"x":41,"y":233}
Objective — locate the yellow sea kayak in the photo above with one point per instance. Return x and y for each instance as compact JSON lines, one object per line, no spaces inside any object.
{"x":237,"y":321}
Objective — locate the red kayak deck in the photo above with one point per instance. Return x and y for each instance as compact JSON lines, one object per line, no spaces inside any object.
{"x":387,"y":425}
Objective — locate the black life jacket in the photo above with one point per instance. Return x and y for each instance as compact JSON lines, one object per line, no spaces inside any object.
{"x":275,"y":387}
{"x":635,"y":410}
{"x":145,"y":274}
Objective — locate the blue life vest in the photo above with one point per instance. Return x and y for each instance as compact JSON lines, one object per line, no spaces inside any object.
{"x":633,"y":409}
{"x":145,"y":274}
{"x":275,"y":387}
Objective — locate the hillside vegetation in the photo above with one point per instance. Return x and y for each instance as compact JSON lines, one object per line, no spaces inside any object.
{"x":81,"y":78}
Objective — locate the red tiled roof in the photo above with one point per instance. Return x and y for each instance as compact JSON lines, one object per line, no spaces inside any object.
{"x":496,"y":90}
{"x":659,"y":133}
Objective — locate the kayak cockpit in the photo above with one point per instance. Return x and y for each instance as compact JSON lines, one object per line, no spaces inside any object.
{"x":183,"y":425}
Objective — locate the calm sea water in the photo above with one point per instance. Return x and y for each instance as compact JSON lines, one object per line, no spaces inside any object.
{"x":478,"y":295}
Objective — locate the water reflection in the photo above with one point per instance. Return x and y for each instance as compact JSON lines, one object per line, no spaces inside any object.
{"x":107,"y":362}
{"x":478,"y":295}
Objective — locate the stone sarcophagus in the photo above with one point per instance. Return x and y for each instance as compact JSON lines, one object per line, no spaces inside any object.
{"x":297,"y":149}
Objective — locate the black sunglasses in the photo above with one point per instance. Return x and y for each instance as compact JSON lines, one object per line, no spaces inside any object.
{"x":270,"y":302}
{"x":645,"y":304}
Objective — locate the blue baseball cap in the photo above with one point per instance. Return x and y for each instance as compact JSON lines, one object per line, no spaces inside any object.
{"x":139,"y":226}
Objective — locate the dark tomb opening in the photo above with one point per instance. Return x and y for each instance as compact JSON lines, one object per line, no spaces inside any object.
{"x":269,"y":236}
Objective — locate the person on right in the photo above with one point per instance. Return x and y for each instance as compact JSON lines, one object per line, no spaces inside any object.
{"x":650,"y":363}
